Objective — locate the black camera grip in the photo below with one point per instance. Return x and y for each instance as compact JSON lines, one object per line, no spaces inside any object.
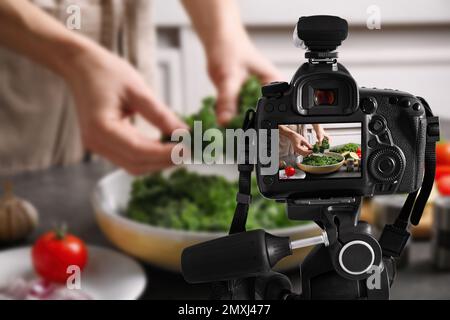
{"x":239,"y":255}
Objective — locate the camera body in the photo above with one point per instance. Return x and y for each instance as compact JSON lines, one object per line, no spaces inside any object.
{"x":392,"y":127}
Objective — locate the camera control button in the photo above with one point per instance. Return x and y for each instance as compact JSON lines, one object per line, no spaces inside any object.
{"x":268,"y":180}
{"x":376,"y":125}
{"x":282,"y":107}
{"x":275,"y":89}
{"x":268,"y":107}
{"x":393,"y":100}
{"x":386,"y":166}
{"x":416,"y":107}
{"x":369,"y":105}
{"x":405,"y":103}
{"x":372,"y":143}
{"x":385,"y":138}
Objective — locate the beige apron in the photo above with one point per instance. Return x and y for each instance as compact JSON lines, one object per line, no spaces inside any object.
{"x":38,"y":126}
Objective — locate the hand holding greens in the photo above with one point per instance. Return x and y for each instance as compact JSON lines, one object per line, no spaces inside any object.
{"x":248,"y":98}
{"x":321,"y":147}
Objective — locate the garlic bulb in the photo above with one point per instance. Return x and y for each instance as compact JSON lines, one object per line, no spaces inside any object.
{"x":18,"y":217}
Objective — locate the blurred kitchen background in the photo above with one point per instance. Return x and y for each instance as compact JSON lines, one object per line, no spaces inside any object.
{"x":410,"y":52}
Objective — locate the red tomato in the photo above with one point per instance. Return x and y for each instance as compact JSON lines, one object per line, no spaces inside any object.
{"x":290,"y":171}
{"x":442,"y":171}
{"x":358,"y":152}
{"x":443,"y":185}
{"x":52,"y":253}
{"x":443,"y":153}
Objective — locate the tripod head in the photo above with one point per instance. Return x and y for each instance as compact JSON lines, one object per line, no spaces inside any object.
{"x":345,"y":248}
{"x":256,"y":252}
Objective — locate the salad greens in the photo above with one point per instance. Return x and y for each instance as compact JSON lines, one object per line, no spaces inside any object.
{"x":189,"y":201}
{"x":317,"y":161}
{"x":248,"y":98}
{"x":351,"y":147}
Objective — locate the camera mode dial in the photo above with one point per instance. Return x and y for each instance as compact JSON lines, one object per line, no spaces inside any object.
{"x":386,"y":165}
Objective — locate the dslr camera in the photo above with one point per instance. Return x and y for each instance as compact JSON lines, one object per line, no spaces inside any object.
{"x":387,"y":127}
{"x":334,"y":143}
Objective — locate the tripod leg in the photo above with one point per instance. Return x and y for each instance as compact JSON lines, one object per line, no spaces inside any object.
{"x":321,"y":281}
{"x":273,"y":286}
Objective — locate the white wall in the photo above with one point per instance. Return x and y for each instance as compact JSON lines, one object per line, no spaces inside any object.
{"x":411,"y":52}
{"x":339,"y":133}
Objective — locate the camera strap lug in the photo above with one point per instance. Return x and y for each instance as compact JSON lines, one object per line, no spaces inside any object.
{"x":432,"y":129}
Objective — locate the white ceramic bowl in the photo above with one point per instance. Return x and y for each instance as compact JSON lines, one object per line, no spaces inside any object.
{"x":159,"y":246}
{"x":323,"y":169}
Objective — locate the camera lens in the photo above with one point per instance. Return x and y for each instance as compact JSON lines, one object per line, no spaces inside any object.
{"x":324,"y":97}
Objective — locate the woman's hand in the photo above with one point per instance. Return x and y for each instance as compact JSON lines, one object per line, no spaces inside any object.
{"x":230,"y":63}
{"x":231,"y":55}
{"x":300,"y":144}
{"x":107,"y":91}
{"x":320,"y":133}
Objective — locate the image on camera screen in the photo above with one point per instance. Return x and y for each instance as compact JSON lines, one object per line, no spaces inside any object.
{"x":319,"y":151}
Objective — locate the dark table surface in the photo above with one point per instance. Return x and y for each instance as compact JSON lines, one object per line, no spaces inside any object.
{"x":63,"y":195}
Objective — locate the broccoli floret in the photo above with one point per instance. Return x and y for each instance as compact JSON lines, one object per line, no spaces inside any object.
{"x":325,"y":144}
{"x":320,"y":148}
{"x":316,"y":148}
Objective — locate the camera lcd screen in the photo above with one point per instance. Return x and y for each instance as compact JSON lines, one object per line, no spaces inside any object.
{"x":319,"y":151}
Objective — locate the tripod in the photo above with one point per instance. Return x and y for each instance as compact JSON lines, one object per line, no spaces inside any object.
{"x":347,"y":264}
